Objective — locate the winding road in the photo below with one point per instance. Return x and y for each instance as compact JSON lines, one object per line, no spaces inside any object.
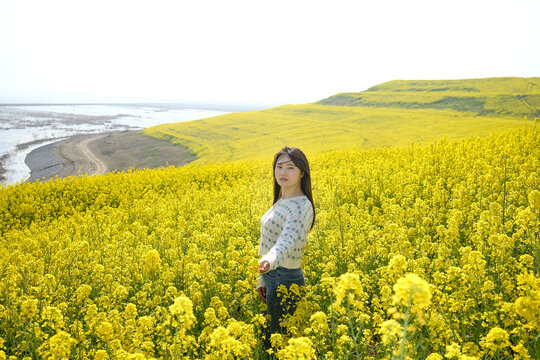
{"x":97,"y":164}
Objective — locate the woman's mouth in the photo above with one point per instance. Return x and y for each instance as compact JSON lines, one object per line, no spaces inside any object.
{"x":282,"y":179}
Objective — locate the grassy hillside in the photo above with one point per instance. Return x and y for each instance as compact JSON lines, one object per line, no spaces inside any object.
{"x":394,"y":113}
{"x":319,"y":128}
{"x":509,"y":96}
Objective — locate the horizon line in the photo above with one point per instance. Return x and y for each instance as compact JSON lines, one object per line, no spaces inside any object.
{"x":184,"y":104}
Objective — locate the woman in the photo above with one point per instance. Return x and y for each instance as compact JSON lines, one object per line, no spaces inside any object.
{"x":284,"y":231}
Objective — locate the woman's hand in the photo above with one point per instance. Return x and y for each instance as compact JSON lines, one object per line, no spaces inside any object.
{"x":264,"y":266}
{"x":262,"y":293}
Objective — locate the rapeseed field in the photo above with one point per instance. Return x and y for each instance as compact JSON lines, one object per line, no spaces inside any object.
{"x":418,"y":252}
{"x":319,"y":128}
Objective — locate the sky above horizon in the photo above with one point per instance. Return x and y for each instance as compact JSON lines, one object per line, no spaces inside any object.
{"x":254,"y":52}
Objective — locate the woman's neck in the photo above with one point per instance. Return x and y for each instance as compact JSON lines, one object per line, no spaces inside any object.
{"x":290,"y":193}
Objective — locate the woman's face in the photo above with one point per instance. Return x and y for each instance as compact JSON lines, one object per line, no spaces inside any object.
{"x":286,"y":173}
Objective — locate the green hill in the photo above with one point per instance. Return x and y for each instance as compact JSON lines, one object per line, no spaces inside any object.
{"x":508,"y":96}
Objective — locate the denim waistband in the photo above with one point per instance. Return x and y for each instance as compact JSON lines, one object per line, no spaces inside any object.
{"x":282,"y":271}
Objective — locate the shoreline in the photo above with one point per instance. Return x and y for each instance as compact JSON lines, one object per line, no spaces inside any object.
{"x":21,"y":148}
{"x":42,"y":163}
{"x":2,"y":170}
{"x":100,"y":153}
{"x":22,"y":124}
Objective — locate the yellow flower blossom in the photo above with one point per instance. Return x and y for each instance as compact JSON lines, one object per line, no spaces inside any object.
{"x":29,"y":309}
{"x":130,"y":311}
{"x":82,"y":293}
{"x":534,"y":200}
{"x":319,"y":323}
{"x":453,"y":351}
{"x":152,"y":262}
{"x":390,"y":331}
{"x":182,"y":312}
{"x":57,"y":347}
{"x":397,"y":265}
{"x":297,"y":349}
{"x":495,"y":339}
{"x":105,"y":331}
{"x":520,"y":352}
{"x":230,"y":342}
{"x":348,"y":288}
{"x":101,"y":355}
{"x":411,"y":289}
{"x":52,"y":317}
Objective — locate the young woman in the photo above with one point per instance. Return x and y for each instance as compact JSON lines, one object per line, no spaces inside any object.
{"x":284,"y":232}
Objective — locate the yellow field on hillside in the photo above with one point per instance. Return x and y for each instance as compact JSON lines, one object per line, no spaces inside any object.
{"x":497,"y":85}
{"x":426,"y":251}
{"x":319,"y":128}
{"x":511,"y":97}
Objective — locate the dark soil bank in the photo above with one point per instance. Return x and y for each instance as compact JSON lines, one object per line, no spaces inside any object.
{"x":42,"y":163}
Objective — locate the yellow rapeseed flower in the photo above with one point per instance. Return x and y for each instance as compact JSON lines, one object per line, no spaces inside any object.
{"x":390,"y":331}
{"x":82,"y":293}
{"x":182,"y":312}
{"x":319,"y":323}
{"x":105,"y":331}
{"x":297,"y":349}
{"x":152,"y":262}
{"x":57,"y":347}
{"x":412,"y":290}
{"x":52,"y":317}
{"x":348,"y":287}
{"x":29,"y":309}
{"x":534,"y":200}
{"x":453,"y":351}
{"x":496,"y":339}
{"x":101,"y":355}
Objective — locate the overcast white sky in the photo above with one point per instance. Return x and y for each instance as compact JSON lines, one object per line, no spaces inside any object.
{"x":260,"y":52}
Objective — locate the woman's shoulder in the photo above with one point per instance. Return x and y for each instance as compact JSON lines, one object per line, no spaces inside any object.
{"x":295,"y":200}
{"x":298,"y":204}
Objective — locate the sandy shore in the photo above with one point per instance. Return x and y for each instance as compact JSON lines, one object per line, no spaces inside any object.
{"x":102,"y":153}
{"x":2,"y":170}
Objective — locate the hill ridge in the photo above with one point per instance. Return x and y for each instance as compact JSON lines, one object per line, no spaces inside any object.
{"x":499,"y":96}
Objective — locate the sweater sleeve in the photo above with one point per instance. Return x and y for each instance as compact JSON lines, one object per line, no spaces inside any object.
{"x":260,"y":282}
{"x":290,"y":238}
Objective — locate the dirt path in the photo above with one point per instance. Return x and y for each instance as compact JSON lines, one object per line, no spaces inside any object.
{"x":100,"y":153}
{"x":98,"y":165}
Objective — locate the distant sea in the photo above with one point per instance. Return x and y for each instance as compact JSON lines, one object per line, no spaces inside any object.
{"x":24,"y":128}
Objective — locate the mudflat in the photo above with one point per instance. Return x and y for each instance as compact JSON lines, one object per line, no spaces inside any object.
{"x":104,"y":152}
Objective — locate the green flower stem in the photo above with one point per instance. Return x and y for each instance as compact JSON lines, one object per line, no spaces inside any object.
{"x":405,"y":325}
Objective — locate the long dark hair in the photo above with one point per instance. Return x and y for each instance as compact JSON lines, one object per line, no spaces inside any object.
{"x":300,"y":160}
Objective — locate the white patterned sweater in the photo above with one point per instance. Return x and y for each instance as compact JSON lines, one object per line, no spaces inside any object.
{"x":284,"y":232}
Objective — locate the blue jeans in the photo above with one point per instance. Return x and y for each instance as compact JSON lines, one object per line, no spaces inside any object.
{"x":279,"y":305}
